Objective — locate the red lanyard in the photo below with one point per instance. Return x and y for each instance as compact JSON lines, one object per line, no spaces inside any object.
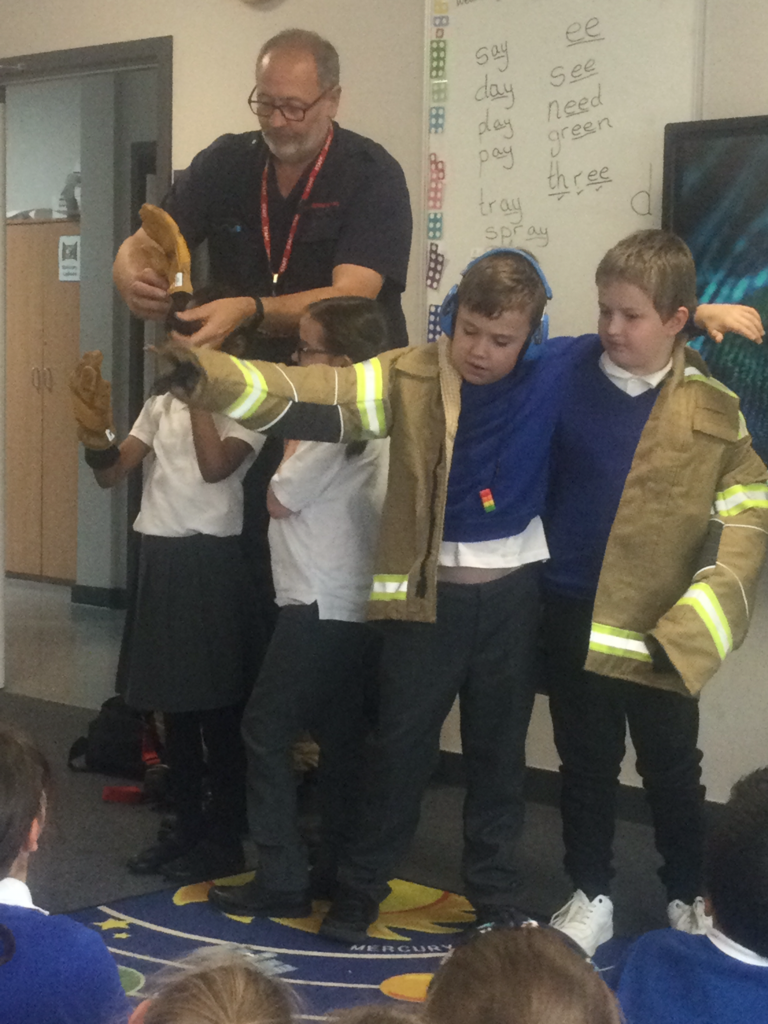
{"x":292,"y":233}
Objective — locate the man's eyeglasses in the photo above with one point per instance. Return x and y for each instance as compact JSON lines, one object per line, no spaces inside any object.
{"x":291,"y":111}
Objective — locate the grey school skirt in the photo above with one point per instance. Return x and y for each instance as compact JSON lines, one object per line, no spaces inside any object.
{"x":193,"y":635}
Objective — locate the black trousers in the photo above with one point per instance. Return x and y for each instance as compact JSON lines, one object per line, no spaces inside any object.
{"x":313,"y":677}
{"x":482,"y":648}
{"x":219,"y":730}
{"x":590,"y":715}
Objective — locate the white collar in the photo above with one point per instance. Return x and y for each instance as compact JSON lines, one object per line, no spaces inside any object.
{"x":15,"y":893}
{"x":612,"y":370}
{"x":733,"y":949}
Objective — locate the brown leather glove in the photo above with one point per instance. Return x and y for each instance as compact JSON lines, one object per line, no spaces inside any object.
{"x":169,"y":256}
{"x":92,"y":403}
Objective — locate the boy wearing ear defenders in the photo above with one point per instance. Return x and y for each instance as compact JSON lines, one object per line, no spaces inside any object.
{"x":456,"y":573}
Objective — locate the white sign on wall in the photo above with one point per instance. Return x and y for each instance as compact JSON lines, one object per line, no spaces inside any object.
{"x":69,"y":258}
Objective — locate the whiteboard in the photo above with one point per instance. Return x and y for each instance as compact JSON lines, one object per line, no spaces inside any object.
{"x":546,"y":130}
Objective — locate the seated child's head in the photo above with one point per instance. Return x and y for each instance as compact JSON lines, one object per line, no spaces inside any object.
{"x":222,"y":985}
{"x":646,"y":291}
{"x":736,"y":864}
{"x":381,"y":1013}
{"x":25,"y":779}
{"x":523,"y":975}
{"x":499,"y":304}
{"x":340,"y":331}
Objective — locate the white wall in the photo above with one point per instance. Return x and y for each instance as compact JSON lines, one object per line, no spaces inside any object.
{"x":43,"y":139}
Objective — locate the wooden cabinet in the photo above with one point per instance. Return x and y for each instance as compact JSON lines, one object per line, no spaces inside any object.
{"x":42,"y":347}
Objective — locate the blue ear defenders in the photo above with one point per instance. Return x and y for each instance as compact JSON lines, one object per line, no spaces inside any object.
{"x":450,"y":306}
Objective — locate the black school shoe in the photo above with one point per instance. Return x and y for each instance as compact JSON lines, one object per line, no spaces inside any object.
{"x":205,"y":860}
{"x":349,"y":916}
{"x":252,"y":899}
{"x":151,"y":861}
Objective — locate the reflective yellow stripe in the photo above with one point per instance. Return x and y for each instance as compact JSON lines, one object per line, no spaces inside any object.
{"x":739,"y":498}
{"x":370,"y":397}
{"x":702,"y":598}
{"x":622,"y":643}
{"x":691,"y":373}
{"x":743,"y":429}
{"x":253,"y":395}
{"x":389,"y":587}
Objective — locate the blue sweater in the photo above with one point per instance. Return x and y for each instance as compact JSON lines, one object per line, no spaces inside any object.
{"x":502,"y":443}
{"x":61,"y":973}
{"x":594,"y":442}
{"x":673,"y":978}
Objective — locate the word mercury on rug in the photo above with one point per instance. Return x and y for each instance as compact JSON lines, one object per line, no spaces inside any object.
{"x":406,"y":944}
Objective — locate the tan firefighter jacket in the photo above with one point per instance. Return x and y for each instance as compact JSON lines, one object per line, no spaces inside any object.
{"x":688,"y":540}
{"x":412,"y":395}
{"x":689,"y":537}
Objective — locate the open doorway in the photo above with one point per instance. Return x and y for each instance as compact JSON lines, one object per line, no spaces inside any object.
{"x":88,"y":140}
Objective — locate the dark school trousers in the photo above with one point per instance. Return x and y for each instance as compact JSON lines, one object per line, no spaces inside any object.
{"x":313,"y":677}
{"x":590,"y":714}
{"x":219,"y":730}
{"x":482,"y":647}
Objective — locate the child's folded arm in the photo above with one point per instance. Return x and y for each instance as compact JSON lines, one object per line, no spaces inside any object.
{"x":259,"y":394}
{"x":712,"y":617}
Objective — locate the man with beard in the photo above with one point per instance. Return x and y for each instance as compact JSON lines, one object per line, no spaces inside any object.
{"x":300,"y":211}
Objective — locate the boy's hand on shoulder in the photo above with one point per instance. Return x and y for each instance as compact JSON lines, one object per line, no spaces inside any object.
{"x":719,"y":319}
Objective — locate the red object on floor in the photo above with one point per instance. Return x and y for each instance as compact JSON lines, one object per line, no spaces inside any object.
{"x":122,"y":794}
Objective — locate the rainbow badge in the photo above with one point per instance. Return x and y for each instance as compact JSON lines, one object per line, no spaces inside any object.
{"x":487,"y":499}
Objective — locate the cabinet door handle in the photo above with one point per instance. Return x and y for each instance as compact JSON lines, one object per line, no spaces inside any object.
{"x":48,"y":377}
{"x":36,"y":378}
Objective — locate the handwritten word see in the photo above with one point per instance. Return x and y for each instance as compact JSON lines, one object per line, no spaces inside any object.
{"x":558,"y":76}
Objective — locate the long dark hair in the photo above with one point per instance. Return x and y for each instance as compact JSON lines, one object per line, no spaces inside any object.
{"x":25,"y":778}
{"x":354,"y":327}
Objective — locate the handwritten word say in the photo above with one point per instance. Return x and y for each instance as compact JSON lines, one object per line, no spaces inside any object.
{"x":559,"y":75}
{"x":584,"y":32}
{"x":493,"y":91}
{"x":501,"y":154}
{"x":579,"y":130}
{"x":561,"y":184}
{"x":498,"y":124}
{"x":507,"y":235}
{"x":574,"y":108}
{"x":509,"y":207}
{"x":498,"y":53}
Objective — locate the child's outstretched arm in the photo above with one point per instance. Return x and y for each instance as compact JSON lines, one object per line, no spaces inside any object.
{"x":218,"y":457}
{"x":719,"y":319}
{"x":260,"y":394}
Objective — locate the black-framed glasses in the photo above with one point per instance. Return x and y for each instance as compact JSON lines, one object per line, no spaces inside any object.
{"x":290,"y":110}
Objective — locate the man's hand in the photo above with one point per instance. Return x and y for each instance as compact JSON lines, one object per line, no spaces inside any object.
{"x":723,"y":318}
{"x":219,"y":319}
{"x":147,"y":296}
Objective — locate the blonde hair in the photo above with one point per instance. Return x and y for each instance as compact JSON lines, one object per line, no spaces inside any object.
{"x":519,"y":976}
{"x":659,"y":264}
{"x":223,"y":985}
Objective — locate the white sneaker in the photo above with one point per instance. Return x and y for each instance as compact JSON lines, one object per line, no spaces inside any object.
{"x":590,"y":923}
{"x":689,"y":917}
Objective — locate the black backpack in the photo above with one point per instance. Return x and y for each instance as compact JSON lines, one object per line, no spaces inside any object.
{"x":121,"y":741}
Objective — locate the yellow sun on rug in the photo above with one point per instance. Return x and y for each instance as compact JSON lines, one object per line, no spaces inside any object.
{"x":415,"y":908}
{"x":410,"y":988}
